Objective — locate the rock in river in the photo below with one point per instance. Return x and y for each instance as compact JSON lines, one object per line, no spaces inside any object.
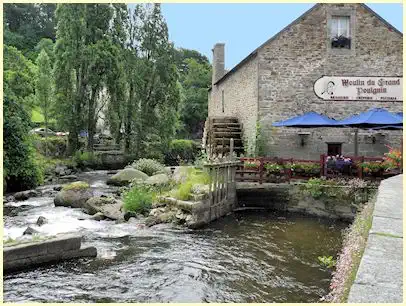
{"x":25,"y":195}
{"x":41,"y":220}
{"x":125,"y":176}
{"x":30,"y":231}
{"x":108,"y":206}
{"x":74,"y":195}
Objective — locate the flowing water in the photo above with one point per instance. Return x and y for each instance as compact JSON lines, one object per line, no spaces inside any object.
{"x":244,"y":257}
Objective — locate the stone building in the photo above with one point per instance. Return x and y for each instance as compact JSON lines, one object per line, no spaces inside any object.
{"x":276,"y":82}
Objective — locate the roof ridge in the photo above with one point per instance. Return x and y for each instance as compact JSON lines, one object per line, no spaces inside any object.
{"x":254,"y":53}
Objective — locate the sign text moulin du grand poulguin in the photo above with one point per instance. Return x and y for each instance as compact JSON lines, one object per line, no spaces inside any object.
{"x":359,"y":88}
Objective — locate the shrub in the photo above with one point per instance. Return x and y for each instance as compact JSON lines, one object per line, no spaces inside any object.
{"x":21,"y":168}
{"x":309,"y":168}
{"x":353,"y":189}
{"x":181,"y":151}
{"x":327,"y":261}
{"x":76,"y":186}
{"x":373,"y":167}
{"x":56,"y":146}
{"x":273,"y":168}
{"x":148,"y":166}
{"x":393,"y":158}
{"x":138,"y":199}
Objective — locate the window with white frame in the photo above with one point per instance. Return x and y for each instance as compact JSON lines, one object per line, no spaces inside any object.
{"x":340,"y":32}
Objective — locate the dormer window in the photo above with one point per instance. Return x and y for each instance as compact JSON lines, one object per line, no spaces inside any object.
{"x":340,"y":32}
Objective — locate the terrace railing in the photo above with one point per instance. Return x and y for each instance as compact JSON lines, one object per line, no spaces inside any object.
{"x":273,"y":169}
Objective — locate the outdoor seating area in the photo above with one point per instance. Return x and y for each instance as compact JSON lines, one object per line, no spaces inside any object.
{"x":280,"y":170}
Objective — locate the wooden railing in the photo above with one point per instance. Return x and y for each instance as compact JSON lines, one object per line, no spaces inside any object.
{"x":254,"y":169}
{"x":222,"y":187}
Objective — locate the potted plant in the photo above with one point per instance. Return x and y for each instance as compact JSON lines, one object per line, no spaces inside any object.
{"x":274,"y":171}
{"x":251,"y":164}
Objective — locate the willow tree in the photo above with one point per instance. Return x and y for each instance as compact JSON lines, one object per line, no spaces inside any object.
{"x":151,"y":108}
{"x":85,"y":56}
{"x":70,"y":69}
{"x":43,"y":89}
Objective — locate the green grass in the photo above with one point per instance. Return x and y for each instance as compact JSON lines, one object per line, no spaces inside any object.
{"x":37,"y":116}
{"x":138,"y":199}
{"x":76,"y":186}
{"x":194,"y":176}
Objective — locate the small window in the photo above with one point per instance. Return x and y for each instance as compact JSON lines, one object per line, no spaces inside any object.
{"x":340,"y":32}
{"x":222,"y":100}
{"x":333,"y":149}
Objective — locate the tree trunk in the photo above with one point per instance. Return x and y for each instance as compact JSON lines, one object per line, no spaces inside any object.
{"x":46,"y":131}
{"x":91,"y":121}
{"x":128,"y":121}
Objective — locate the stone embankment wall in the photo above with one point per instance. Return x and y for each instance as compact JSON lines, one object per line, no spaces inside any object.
{"x":290,"y":198}
{"x":380,"y":278}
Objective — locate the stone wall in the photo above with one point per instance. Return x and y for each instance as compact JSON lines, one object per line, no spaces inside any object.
{"x":291,"y":63}
{"x":240,"y":98}
{"x":289,"y":197}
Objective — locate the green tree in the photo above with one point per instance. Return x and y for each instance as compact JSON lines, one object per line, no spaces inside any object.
{"x":43,"y":89}
{"x":196,"y":78}
{"x":153,"y":92}
{"x":25,"y":24}
{"x":70,"y":70}
{"x":21,"y":170}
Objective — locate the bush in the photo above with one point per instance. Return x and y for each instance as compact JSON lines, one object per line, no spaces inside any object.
{"x":181,"y":151}
{"x":148,"y":166}
{"x":138,"y":199}
{"x":57,"y":146}
{"x":21,"y":168}
{"x":273,"y":168}
{"x":194,"y":176}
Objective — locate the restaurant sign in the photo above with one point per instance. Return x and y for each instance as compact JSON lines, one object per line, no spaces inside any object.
{"x":342,"y":88}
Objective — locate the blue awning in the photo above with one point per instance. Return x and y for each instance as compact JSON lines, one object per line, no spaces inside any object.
{"x":307,"y":120}
{"x":374,"y":116}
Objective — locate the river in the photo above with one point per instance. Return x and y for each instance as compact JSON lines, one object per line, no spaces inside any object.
{"x":253,"y":256}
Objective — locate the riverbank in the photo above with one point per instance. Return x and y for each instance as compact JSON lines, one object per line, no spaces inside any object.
{"x":379,"y":278}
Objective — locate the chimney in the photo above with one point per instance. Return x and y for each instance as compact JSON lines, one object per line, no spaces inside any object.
{"x":218,"y":62}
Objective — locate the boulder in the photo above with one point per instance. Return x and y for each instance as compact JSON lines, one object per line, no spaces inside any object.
{"x":41,"y":220}
{"x":25,"y":195}
{"x":200,"y":189}
{"x":74,"y":195}
{"x":30,"y":231}
{"x":157,"y":180}
{"x":129,"y":214}
{"x":157,"y":211}
{"x":152,"y":220}
{"x":98,"y":217}
{"x":108,"y":206}
{"x":125,"y":176}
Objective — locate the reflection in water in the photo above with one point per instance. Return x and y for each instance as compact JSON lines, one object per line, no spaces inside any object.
{"x":244,"y":257}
